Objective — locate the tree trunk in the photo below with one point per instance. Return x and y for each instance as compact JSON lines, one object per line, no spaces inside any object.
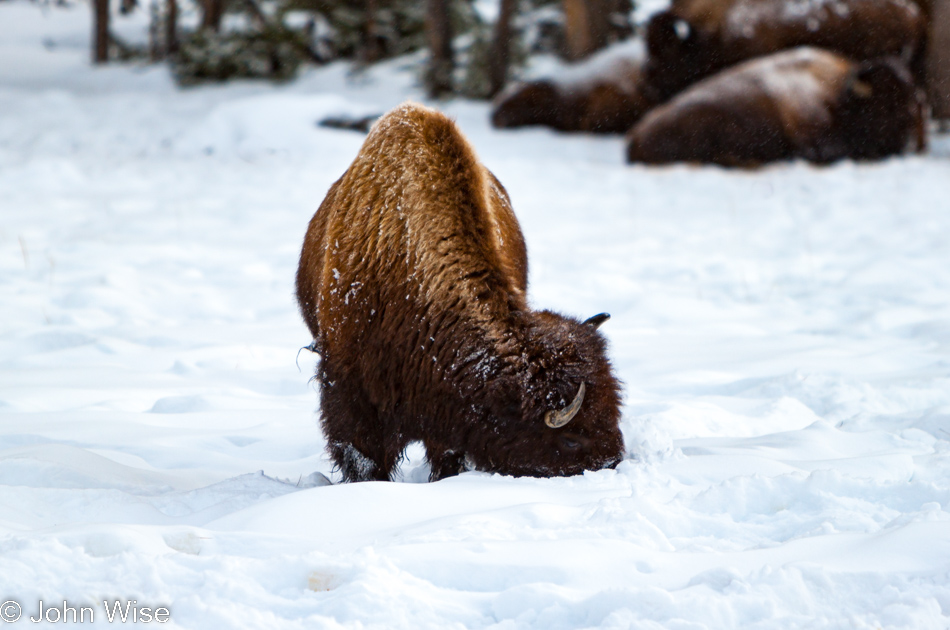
{"x":101,"y":52}
{"x":441,"y":62}
{"x":586,"y":25}
{"x":500,"y":55}
{"x":171,"y":27}
{"x":213,"y":10}
{"x":155,"y":47}
{"x":938,"y":60}
{"x":371,"y":51}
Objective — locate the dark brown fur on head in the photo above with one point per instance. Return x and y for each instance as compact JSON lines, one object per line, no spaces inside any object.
{"x":697,"y":38}
{"x":879,"y":109}
{"x":412,"y":280}
{"x":802,"y":103}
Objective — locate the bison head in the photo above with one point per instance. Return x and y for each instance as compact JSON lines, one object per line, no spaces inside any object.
{"x":554,"y":408}
{"x":680,"y":54}
{"x":879,"y":110}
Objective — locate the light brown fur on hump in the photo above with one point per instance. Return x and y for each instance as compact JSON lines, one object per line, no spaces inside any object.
{"x":420,"y":218}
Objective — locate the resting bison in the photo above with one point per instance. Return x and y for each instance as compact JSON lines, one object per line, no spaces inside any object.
{"x":805,"y":103}
{"x":697,"y":38}
{"x":602,"y":95}
{"x":412,"y":280}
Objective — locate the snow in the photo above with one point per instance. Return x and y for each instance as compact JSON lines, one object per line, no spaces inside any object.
{"x":618,"y":59}
{"x":749,"y":17}
{"x":783,"y":336}
{"x":645,"y":9}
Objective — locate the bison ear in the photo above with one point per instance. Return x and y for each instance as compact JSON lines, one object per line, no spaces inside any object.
{"x":597,"y":320}
{"x":861,"y":89}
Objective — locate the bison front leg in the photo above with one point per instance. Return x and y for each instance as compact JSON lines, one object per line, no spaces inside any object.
{"x":357,"y":443}
{"x":443,"y":463}
{"x":354,"y":465}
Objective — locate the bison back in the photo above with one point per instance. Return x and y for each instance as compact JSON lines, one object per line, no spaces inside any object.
{"x":696,"y":38}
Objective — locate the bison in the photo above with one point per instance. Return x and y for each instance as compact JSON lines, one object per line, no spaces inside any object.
{"x":804,"y":103}
{"x":412,"y":280}
{"x":697,"y":38}
{"x":601,"y":95}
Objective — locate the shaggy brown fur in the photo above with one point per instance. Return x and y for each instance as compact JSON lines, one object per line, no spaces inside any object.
{"x":608,"y":99}
{"x":412,"y":280}
{"x":804,"y":103}
{"x":697,"y":38}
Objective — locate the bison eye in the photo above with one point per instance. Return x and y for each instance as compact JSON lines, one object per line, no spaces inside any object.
{"x":570,"y":443}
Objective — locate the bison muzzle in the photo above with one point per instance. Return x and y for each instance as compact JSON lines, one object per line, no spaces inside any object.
{"x":413,"y":281}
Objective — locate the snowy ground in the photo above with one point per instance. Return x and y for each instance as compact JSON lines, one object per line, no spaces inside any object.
{"x":784,"y":337}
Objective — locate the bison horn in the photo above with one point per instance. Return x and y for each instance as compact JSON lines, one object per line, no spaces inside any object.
{"x":597,"y":320}
{"x":557,"y":419}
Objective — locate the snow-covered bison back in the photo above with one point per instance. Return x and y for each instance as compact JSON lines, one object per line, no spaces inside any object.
{"x":694,"y":39}
{"x":412,"y":280}
{"x":803,"y":103}
{"x":603,"y":94}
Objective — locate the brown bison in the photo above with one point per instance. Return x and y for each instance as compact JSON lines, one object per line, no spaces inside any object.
{"x":602,"y":95}
{"x":412,"y":280}
{"x":803,"y":103}
{"x":697,"y":38}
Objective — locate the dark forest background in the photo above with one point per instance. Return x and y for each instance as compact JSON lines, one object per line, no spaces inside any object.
{"x":271,"y":39}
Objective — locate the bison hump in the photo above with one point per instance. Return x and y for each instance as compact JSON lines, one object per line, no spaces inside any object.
{"x":418,"y":217}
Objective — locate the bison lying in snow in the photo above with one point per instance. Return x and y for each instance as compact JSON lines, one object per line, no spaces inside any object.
{"x":412,"y":280}
{"x":601,"y":95}
{"x":697,"y":38}
{"x":804,"y":103}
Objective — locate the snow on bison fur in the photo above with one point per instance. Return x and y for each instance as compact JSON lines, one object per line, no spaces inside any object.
{"x":600,"y":95}
{"x":697,"y":38}
{"x":803,"y":103}
{"x":412,"y":280}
